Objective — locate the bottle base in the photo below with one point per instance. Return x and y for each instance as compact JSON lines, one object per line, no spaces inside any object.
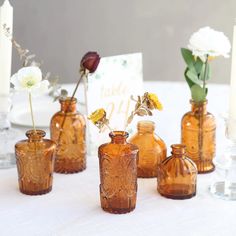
{"x":204,"y":170}
{"x":180,"y":197}
{"x":118,"y":210}
{"x":41,"y":192}
{"x":146,"y":176}
{"x":69,"y":171}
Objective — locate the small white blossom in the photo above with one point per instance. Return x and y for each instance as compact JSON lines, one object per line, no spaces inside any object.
{"x":207,"y":41}
{"x":30,"y":79}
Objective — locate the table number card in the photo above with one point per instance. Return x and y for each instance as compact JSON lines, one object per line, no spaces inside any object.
{"x":110,"y":87}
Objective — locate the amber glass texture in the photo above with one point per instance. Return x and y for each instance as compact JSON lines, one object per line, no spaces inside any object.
{"x":152,"y":149}
{"x":198,"y":129}
{"x":177,"y":175}
{"x":118,"y":174}
{"x":35,"y":163}
{"x":68,"y":129}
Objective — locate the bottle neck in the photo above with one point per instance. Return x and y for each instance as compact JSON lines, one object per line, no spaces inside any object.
{"x":146,"y":127}
{"x":199,"y":107}
{"x":178,"y":150}
{"x":35,"y":135}
{"x":119,"y":137}
{"x":68,"y":105}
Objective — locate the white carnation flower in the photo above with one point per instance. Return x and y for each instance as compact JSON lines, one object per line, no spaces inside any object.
{"x":30,"y":79}
{"x":209,"y":42}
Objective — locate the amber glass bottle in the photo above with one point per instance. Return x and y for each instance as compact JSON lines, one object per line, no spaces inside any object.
{"x":35,"y":162}
{"x":152,"y":149}
{"x":177,"y":175}
{"x":198,"y":134}
{"x":68,"y":129}
{"x":118,"y":174}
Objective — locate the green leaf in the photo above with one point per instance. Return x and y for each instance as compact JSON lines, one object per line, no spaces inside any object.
{"x":198,"y":94}
{"x":188,"y":58}
{"x":190,"y":82}
{"x":198,"y":65}
{"x":193,"y":77}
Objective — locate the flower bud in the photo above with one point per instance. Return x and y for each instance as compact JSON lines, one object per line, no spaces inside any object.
{"x":90,"y":62}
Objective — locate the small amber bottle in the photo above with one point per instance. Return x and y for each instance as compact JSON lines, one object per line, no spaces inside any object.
{"x":35,"y":163}
{"x":118,"y":174}
{"x":68,"y":129}
{"x":177,"y":175}
{"x":152,"y":149}
{"x":198,"y":128}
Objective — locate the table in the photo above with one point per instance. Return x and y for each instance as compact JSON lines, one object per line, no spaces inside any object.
{"x":73,"y":207}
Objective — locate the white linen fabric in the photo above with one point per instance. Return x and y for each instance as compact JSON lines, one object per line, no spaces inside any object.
{"x":73,"y":207}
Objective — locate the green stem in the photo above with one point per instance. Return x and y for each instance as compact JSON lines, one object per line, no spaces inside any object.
{"x":31,"y":111}
{"x":205,"y":74}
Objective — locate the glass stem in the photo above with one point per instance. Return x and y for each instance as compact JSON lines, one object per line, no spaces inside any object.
{"x":31,"y":111}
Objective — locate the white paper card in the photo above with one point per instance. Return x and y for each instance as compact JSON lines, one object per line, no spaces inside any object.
{"x":110,"y":87}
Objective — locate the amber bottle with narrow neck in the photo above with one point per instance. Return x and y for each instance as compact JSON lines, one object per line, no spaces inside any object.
{"x":198,"y":134}
{"x":35,"y":163}
{"x":68,"y":129}
{"x":118,"y":174}
{"x":152,"y":149}
{"x":177,"y":175}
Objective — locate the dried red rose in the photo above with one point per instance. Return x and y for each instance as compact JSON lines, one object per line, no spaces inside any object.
{"x":90,"y":62}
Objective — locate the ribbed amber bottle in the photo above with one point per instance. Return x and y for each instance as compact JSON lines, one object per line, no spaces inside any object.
{"x":118,"y":174}
{"x":35,"y":163}
{"x":198,"y":134}
{"x":152,"y":149}
{"x":177,"y":175}
{"x":68,"y":129}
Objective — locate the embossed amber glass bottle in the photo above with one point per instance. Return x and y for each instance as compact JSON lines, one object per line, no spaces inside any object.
{"x":198,"y":134}
{"x":35,"y":162}
{"x":152,"y":149}
{"x":177,"y":175}
{"x":118,"y":174}
{"x":68,"y":129}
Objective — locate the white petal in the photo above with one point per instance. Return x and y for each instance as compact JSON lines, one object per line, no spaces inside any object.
{"x":30,"y":71}
{"x":41,"y":89}
{"x":207,"y":41}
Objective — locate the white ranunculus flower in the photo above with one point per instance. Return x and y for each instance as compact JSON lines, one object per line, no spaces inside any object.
{"x":207,"y":41}
{"x":30,"y":79}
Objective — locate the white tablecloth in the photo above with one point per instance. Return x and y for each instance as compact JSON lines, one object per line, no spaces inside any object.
{"x":73,"y":207}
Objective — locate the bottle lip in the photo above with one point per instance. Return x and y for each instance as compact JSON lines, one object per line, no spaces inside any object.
{"x":178,"y":148}
{"x":146,"y":122}
{"x":67,"y":100}
{"x":35,"y":133}
{"x":119,"y":133}
{"x":198,"y":103}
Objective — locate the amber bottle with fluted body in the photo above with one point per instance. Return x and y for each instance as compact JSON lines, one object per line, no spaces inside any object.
{"x":35,"y":163}
{"x":152,"y":149}
{"x":118,"y":174}
{"x":198,"y":134}
{"x":177,"y":175}
{"x":68,"y":129}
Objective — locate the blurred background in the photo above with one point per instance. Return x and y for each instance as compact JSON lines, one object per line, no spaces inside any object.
{"x":59,"y":32}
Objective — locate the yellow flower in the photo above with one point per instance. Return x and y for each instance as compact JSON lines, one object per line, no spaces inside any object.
{"x":97,"y":116}
{"x":154,"y":101}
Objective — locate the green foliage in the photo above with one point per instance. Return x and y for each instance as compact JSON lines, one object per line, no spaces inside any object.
{"x":198,"y":93}
{"x":196,"y":72}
